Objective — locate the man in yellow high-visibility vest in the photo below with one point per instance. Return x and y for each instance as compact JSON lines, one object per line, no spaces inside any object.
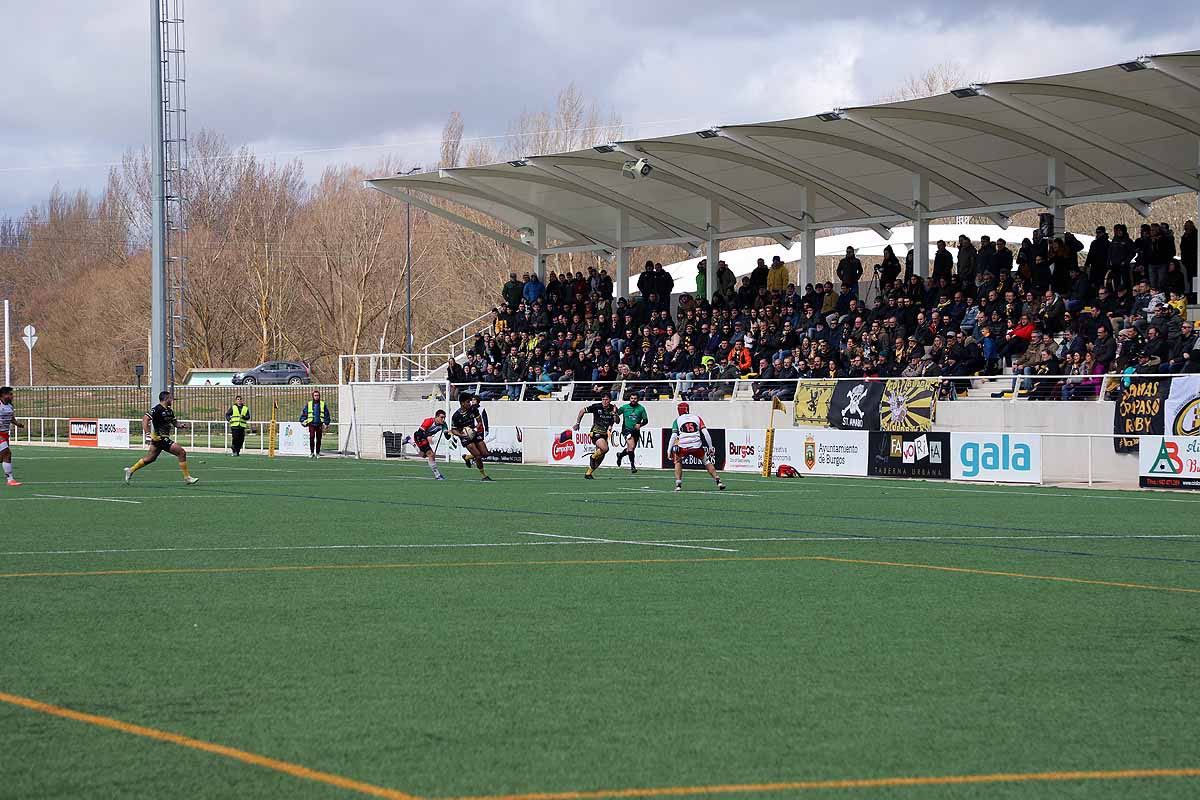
{"x":316,"y":418}
{"x":238,"y":416}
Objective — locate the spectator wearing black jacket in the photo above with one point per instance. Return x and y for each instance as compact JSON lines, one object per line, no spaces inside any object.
{"x":1095,"y":266}
{"x":850,"y":270}
{"x":1187,"y":254}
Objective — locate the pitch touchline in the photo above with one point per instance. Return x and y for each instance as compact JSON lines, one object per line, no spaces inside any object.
{"x":288,"y":768}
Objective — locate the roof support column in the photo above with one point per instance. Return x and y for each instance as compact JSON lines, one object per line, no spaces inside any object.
{"x":808,"y":243}
{"x":539,"y":242}
{"x":920,"y":203}
{"x":713,"y":251}
{"x":1055,"y":193}
{"x":622,"y":279}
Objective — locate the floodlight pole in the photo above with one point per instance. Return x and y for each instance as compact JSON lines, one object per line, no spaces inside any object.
{"x":7,"y":348}
{"x":159,"y":321}
{"x":408,"y":331}
{"x":408,"y":326}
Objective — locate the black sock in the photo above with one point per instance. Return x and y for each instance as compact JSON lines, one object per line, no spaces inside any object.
{"x":630,"y":455}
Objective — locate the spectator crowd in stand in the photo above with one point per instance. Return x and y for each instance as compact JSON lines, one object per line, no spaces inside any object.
{"x":1045,"y":309}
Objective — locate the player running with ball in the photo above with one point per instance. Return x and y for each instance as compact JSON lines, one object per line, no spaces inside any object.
{"x":689,"y":437}
{"x":467,"y":425}
{"x":633,"y":419}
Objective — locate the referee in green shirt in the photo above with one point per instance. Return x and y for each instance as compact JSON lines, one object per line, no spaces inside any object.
{"x":633,"y":419}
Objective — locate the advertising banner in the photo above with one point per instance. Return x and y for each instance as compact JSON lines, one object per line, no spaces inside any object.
{"x":691,"y":462}
{"x":1139,"y":411}
{"x":1169,"y":462}
{"x":112,"y":433}
{"x":506,"y":444}
{"x":577,"y":451}
{"x":82,"y":433}
{"x":1181,"y":412}
{"x":855,"y":405}
{"x":574,"y":452}
{"x":909,"y":455}
{"x":1001,"y":457}
{"x":812,"y":404}
{"x":293,"y":439}
{"x":744,"y":448}
{"x":821,"y":452}
{"x":907,"y":405}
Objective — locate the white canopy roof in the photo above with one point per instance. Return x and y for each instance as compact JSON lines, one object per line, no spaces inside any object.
{"x":865,"y":243}
{"x":1124,"y":133}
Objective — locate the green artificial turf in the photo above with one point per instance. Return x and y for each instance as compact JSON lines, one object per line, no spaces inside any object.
{"x":501,"y":662}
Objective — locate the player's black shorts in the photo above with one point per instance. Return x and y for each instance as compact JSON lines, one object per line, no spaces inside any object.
{"x":423,"y":446}
{"x":598,"y":435}
{"x":634,"y":436}
{"x":164,"y":444}
{"x":478,"y":436}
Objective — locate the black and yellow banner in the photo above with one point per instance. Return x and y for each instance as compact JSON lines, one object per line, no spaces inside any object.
{"x":811,"y":409}
{"x":1139,"y":411}
{"x":907,"y":405}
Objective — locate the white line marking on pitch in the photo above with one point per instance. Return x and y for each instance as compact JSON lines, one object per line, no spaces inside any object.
{"x":935,"y":538}
{"x":626,"y":541}
{"x":139,"y":500}
{"x":108,"y":551}
{"x":70,"y":497}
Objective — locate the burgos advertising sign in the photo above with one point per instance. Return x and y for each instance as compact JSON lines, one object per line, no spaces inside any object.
{"x":1000,"y":457}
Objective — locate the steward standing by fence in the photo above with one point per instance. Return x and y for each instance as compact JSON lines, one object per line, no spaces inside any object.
{"x":315,"y":417}
{"x":238,"y":416}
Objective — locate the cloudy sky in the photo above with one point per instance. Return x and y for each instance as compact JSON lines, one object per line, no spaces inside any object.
{"x":355,"y":80}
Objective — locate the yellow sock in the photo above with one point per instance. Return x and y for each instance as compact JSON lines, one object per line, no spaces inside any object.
{"x":141,"y":462}
{"x":183,"y":466}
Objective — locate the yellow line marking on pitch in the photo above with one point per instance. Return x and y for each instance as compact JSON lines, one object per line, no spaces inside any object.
{"x":295,"y":770}
{"x":583,"y":562}
{"x":1057,"y":578}
{"x":862,"y":783}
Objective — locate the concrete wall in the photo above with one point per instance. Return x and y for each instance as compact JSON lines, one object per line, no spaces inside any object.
{"x":1065,"y":458}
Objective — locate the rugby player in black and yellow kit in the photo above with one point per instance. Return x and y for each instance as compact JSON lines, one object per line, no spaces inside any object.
{"x":604,"y":416}
{"x":467,"y":425}
{"x":159,"y":424}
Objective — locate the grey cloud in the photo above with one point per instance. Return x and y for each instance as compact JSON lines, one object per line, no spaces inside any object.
{"x":318,"y":74}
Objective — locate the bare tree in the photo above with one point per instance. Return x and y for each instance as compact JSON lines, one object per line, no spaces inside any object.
{"x":452,"y":140}
{"x":938,"y":79}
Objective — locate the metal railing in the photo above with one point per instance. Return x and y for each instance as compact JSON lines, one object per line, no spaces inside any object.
{"x":389,"y":367}
{"x":951,"y":387}
{"x":202,"y":434}
{"x":457,"y":342}
{"x":419,"y":366}
{"x":207,"y":403}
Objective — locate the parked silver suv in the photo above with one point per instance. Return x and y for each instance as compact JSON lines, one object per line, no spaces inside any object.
{"x":275,"y":372}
